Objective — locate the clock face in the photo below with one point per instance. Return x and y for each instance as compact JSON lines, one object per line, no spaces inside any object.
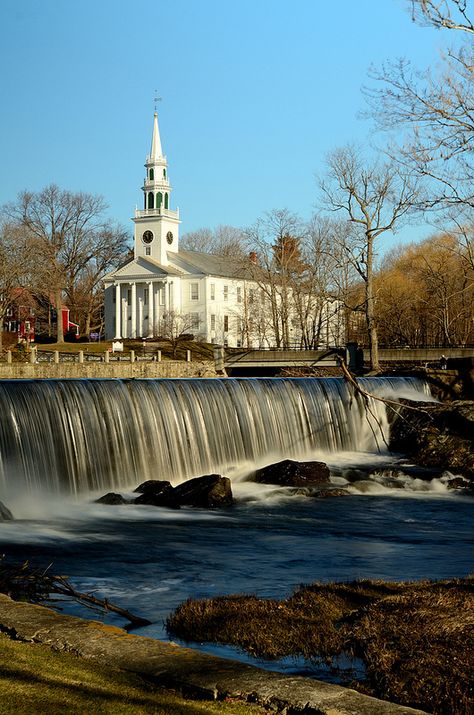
{"x":169,"y":237}
{"x":147,"y":237}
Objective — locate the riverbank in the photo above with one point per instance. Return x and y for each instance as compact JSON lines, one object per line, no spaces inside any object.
{"x":200,"y":676}
{"x":414,"y":639}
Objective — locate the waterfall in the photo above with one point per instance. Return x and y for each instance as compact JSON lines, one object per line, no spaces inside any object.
{"x":76,"y":436}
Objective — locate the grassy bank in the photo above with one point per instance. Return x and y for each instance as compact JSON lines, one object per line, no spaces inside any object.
{"x":34,"y":679}
{"x":415,"y":639}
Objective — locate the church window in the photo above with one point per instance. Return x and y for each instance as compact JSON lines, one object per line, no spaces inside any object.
{"x":150,"y":201}
{"x":194,"y":291}
{"x":152,"y":174}
{"x":239,"y":294}
{"x":162,"y":296}
{"x":213,"y":291}
{"x":145,"y":297}
{"x":194,"y":321}
{"x":129,"y":296}
{"x":166,"y":201}
{"x":213,"y":321}
{"x":226,"y":323}
{"x":226,"y":292}
{"x":159,"y":200}
{"x":147,"y":250}
{"x":164,"y":173}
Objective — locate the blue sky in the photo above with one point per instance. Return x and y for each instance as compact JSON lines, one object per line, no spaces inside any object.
{"x":255,"y":93}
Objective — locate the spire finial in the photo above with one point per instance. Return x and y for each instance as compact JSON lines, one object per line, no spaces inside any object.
{"x":157,"y":99}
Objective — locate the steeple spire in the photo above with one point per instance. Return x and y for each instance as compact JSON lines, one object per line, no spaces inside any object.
{"x":157,"y":226}
{"x":155,"y":152}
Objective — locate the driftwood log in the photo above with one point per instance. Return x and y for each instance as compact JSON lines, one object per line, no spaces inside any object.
{"x":22,"y":582}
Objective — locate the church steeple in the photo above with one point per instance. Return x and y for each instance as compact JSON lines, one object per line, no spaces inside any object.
{"x":156,"y":188}
{"x":156,"y":152}
{"x":161,"y":235}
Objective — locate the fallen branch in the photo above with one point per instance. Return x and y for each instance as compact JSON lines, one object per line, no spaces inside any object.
{"x":394,"y":405}
{"x":23,"y":583}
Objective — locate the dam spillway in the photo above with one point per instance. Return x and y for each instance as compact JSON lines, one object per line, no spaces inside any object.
{"x":77,"y":436}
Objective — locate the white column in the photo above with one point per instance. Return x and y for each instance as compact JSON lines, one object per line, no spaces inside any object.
{"x":134,"y":311}
{"x":141,"y":331}
{"x":125,"y":330}
{"x":166,"y":297}
{"x":156,"y":307}
{"x":151,"y":317}
{"x":118,"y":332}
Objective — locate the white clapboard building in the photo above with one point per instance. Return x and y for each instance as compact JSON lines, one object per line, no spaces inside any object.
{"x":164,"y":289}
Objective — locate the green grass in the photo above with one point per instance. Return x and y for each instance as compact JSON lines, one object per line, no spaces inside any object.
{"x":35,"y":680}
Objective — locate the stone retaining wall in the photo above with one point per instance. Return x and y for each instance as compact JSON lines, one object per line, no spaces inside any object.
{"x":124,"y":370}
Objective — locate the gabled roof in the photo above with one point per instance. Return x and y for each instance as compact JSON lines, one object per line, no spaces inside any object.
{"x":141,"y":268}
{"x":208,"y":264}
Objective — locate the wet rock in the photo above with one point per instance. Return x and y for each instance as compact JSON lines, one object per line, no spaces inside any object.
{"x":5,"y":513}
{"x":438,"y":435}
{"x":293,"y":474}
{"x":209,"y":491}
{"x":328,"y":493}
{"x":459,"y":483}
{"x":354,"y":475}
{"x":151,"y":485}
{"x":157,"y":493}
{"x":111,"y":498}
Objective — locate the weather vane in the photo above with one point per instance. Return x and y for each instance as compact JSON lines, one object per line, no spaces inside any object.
{"x":156,"y":99}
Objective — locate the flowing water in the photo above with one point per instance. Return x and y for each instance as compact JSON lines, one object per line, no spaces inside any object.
{"x":64,"y":443}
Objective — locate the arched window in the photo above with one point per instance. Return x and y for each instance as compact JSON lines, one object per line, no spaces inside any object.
{"x":166,"y":201}
{"x":150,"y":200}
{"x":164,"y":173}
{"x":152,"y":174}
{"x":159,"y":200}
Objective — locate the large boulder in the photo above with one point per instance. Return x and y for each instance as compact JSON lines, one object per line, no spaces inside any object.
{"x":157,"y":493}
{"x":111,"y":498}
{"x":209,"y":491}
{"x":293,"y":474}
{"x":436,"y":435}
{"x":151,"y":486}
{"x":5,"y":513}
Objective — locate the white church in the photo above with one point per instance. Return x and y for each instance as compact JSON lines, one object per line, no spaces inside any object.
{"x":213,"y":297}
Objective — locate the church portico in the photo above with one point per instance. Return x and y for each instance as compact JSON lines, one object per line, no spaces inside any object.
{"x":140,"y":306}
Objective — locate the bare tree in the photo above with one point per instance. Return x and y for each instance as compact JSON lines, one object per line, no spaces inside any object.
{"x":375,"y":197}
{"x":443,"y":14}
{"x":176,"y":326}
{"x":434,"y":109}
{"x":221,"y":241}
{"x":68,"y":233}
{"x":274,"y":242}
{"x":14,"y":268}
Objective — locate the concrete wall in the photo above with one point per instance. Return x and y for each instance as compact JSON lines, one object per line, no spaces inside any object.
{"x":69,"y":370}
{"x":419,"y":354}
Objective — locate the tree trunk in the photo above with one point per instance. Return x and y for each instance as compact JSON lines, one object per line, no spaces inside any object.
{"x":59,"y":314}
{"x":370,"y":308}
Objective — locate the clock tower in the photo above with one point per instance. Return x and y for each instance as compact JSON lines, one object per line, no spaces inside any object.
{"x":157,"y":226}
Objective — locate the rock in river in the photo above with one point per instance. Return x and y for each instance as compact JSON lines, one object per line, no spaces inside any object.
{"x":293,"y":474}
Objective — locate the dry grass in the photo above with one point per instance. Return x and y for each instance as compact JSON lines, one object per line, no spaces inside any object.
{"x":416,"y":639}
